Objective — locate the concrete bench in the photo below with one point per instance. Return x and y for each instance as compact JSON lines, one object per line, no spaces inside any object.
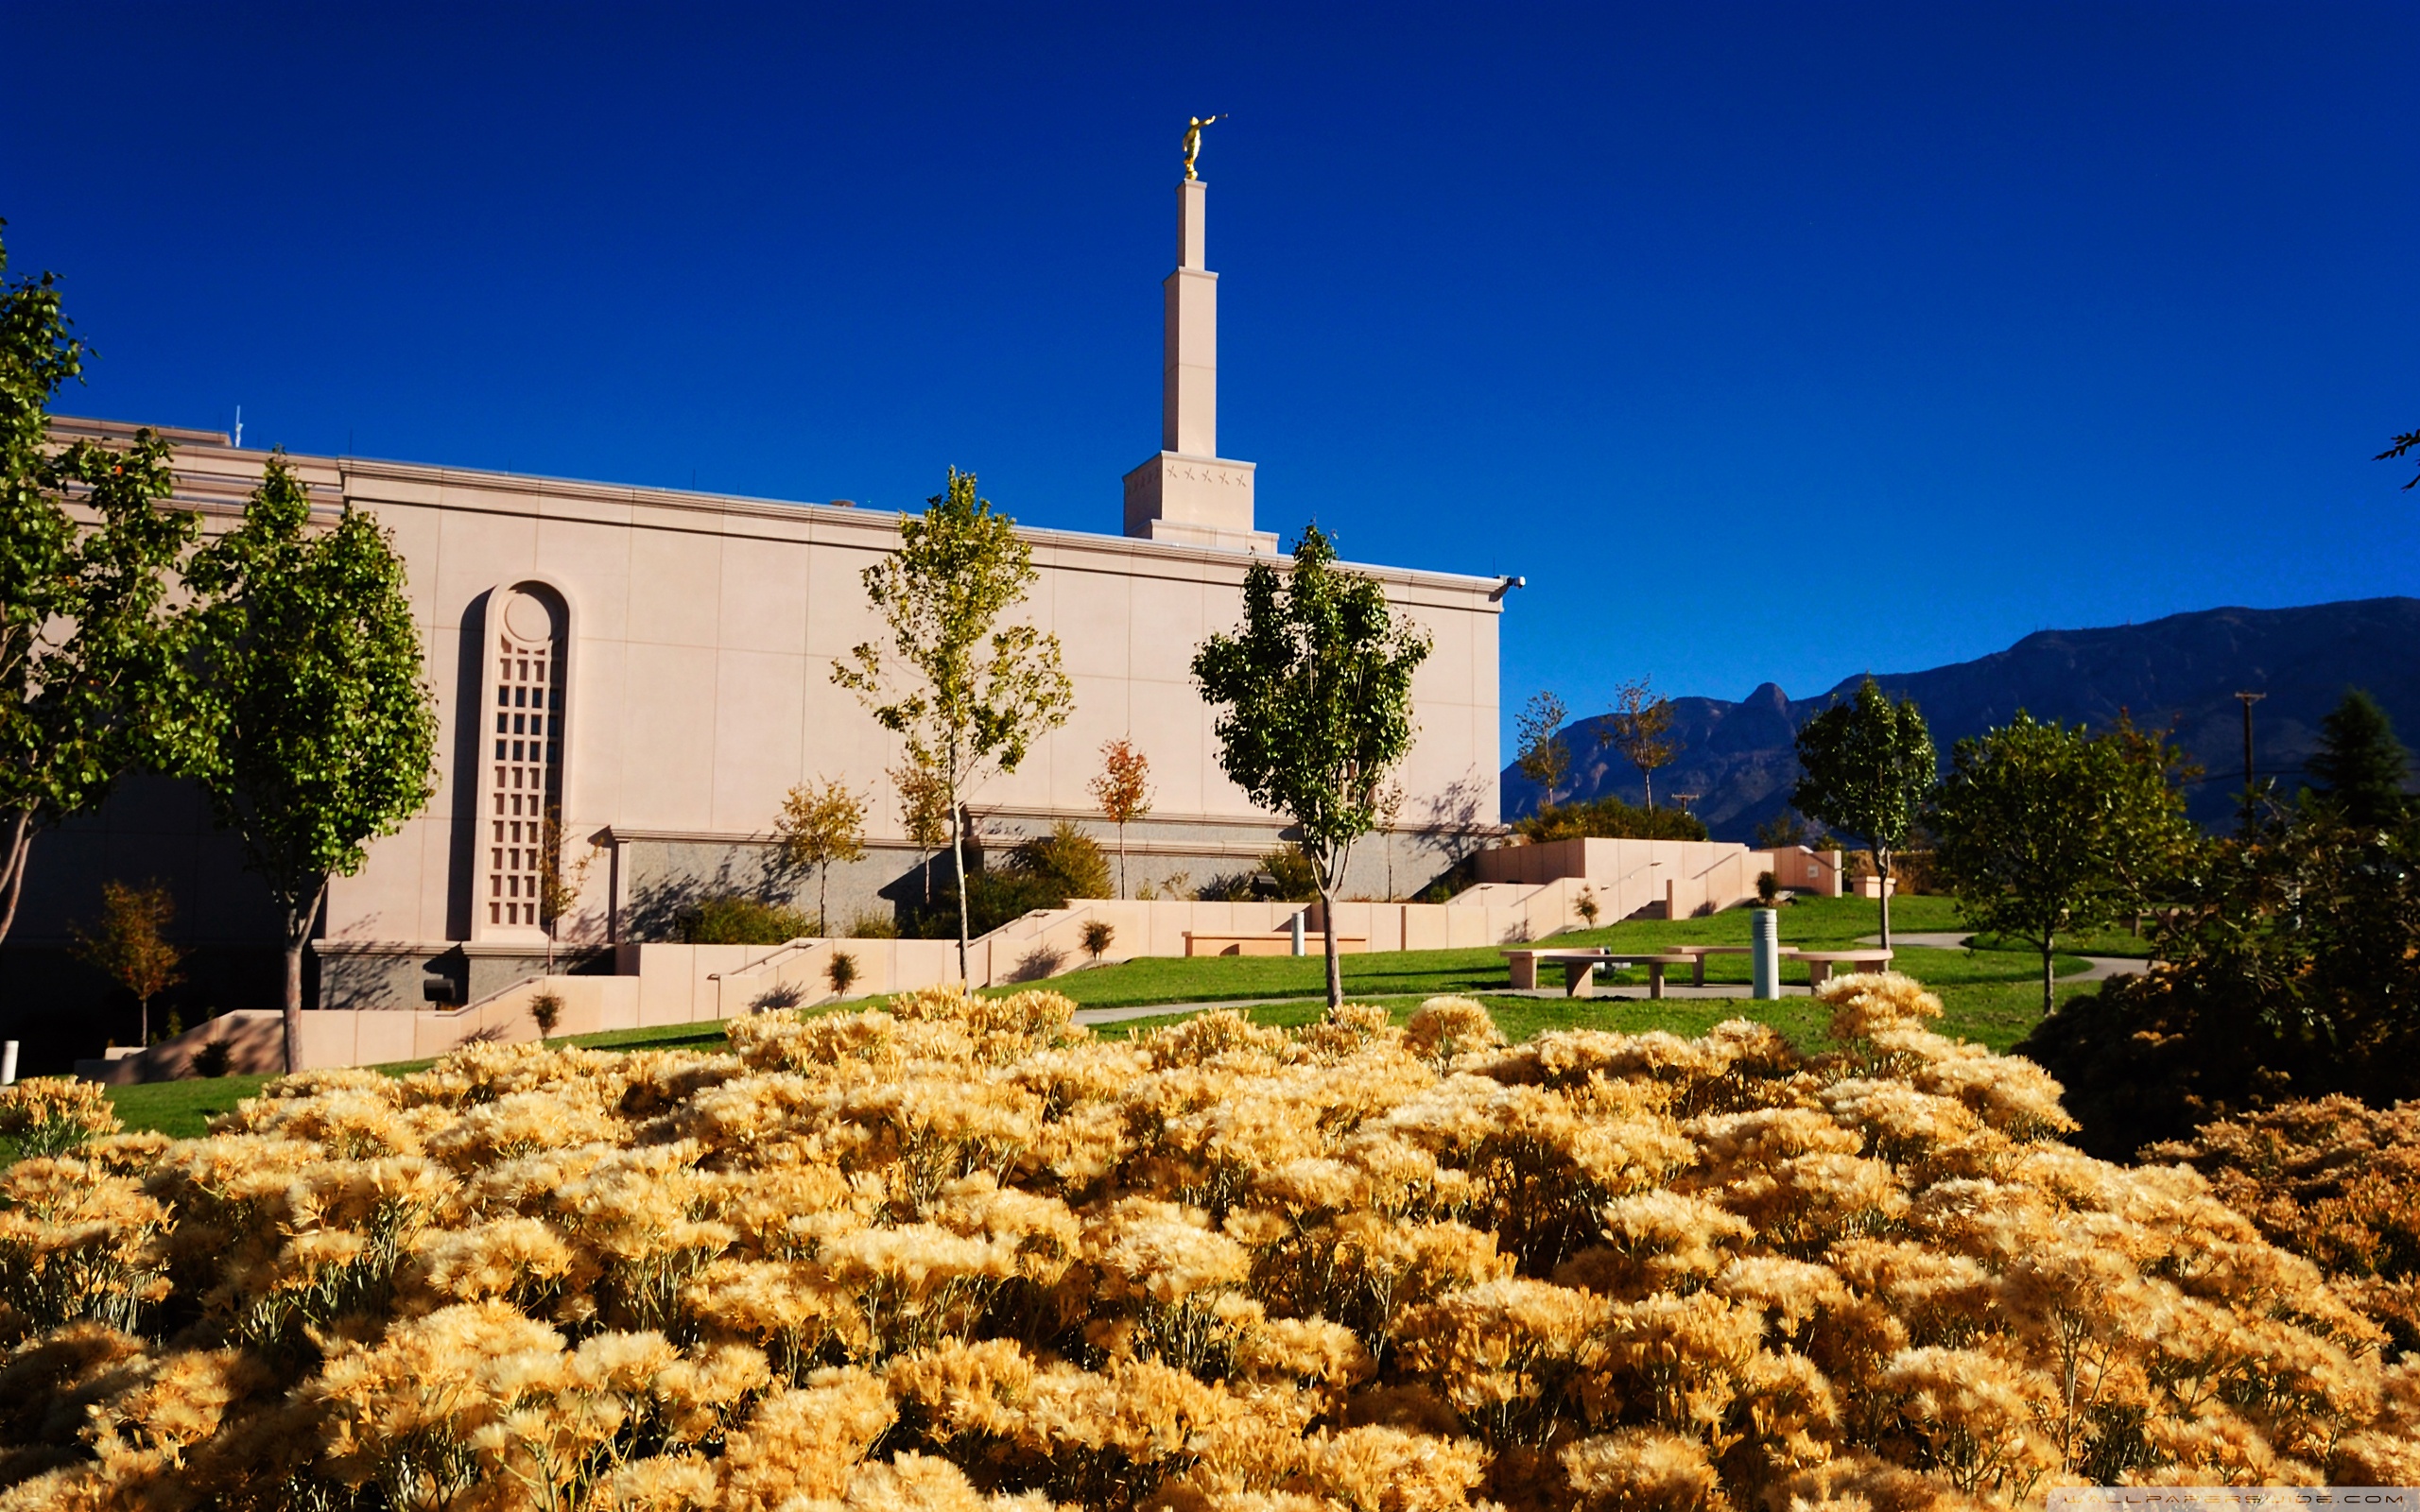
{"x":1656,"y":965}
{"x":1697,"y":954}
{"x":1819,"y":962}
{"x":1579,"y":969}
{"x":1314,"y":943}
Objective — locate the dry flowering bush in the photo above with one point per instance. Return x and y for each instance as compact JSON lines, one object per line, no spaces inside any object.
{"x":2333,"y":1179}
{"x":958,"y":1254}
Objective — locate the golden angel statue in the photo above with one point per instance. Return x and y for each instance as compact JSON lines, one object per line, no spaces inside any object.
{"x":1193,"y":140}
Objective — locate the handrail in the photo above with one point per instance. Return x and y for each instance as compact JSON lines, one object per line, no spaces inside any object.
{"x":805,"y":942}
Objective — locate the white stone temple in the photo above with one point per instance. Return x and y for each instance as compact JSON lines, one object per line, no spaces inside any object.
{"x":658,"y":663}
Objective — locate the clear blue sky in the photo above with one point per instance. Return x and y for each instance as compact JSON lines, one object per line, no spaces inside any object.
{"x":1769,"y":341}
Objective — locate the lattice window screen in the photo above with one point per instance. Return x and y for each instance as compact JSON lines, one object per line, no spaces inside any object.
{"x":528,"y":758}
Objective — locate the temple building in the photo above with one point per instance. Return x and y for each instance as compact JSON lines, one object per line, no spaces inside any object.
{"x":657,"y":664}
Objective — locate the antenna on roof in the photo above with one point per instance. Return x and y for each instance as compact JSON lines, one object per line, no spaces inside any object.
{"x":239,"y":427}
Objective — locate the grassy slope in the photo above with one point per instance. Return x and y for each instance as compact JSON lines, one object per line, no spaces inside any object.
{"x":1992,"y":996}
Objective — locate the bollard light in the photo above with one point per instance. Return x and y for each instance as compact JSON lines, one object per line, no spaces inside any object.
{"x":1764,"y":935}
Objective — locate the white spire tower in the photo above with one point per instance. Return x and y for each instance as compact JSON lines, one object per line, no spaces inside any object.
{"x":1188,"y":493}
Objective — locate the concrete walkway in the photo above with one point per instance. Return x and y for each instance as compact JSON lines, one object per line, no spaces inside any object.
{"x":2097,"y":968}
{"x":1169,"y":1010}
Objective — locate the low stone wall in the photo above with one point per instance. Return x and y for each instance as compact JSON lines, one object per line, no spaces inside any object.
{"x":657,"y":985}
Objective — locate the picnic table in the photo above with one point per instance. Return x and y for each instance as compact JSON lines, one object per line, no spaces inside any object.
{"x":1580,"y":968}
{"x":1697,"y":954}
{"x":1819,"y":962}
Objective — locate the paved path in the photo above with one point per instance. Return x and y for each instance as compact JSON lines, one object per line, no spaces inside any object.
{"x":2097,"y":968}
{"x":1164,"y":1010}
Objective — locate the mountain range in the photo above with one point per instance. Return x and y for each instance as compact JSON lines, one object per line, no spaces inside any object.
{"x":2180,"y":673}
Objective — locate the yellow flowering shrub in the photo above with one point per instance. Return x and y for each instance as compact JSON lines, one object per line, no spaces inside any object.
{"x":958,"y":1254}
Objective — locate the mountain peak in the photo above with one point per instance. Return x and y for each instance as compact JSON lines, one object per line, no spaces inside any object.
{"x":2181,"y":671}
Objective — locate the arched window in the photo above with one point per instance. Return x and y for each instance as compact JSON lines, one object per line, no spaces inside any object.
{"x":522,"y":773}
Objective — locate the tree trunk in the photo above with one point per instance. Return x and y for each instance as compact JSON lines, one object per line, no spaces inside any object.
{"x":1327,"y":936}
{"x":20,"y":849}
{"x":2048,"y":951}
{"x":1647,"y":774}
{"x":1882,"y":879}
{"x":300,"y":916}
{"x":823,"y":899}
{"x":1121,"y":861}
{"x":958,"y":861}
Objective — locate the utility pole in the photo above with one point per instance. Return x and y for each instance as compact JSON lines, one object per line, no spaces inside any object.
{"x":2248,"y":700}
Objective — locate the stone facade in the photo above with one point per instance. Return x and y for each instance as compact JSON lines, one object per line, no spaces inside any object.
{"x":656,"y":666}
{"x":687,"y":642}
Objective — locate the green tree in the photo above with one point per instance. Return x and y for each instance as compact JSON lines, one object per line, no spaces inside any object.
{"x":131,"y":946}
{"x":92,"y":661}
{"x":2042,"y":830}
{"x":924,"y":813}
{"x":1545,"y":756}
{"x":2360,"y":765}
{"x":966,"y":693}
{"x":1641,"y":726}
{"x":820,"y":823}
{"x":327,"y":731}
{"x":1315,"y":697}
{"x":1864,"y":767}
{"x":2401,"y":444}
{"x":560,"y":878}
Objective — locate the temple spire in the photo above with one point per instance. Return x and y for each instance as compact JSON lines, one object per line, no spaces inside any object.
{"x":1189,"y":493}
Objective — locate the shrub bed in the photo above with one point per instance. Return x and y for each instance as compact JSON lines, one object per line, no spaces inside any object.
{"x":961,"y":1253}
{"x":2332,"y":1180}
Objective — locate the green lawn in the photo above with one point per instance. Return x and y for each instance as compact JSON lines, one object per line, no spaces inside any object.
{"x":1991,"y":996}
{"x":2091,"y":942}
{"x":183,"y":1109}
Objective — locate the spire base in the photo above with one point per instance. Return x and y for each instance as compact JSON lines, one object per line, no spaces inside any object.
{"x":1195,"y":501}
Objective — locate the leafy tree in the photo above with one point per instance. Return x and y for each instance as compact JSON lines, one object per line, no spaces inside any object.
{"x":2289,"y":967}
{"x":1641,"y":726}
{"x":966,"y":693}
{"x":1123,"y":790}
{"x":820,"y":823}
{"x":2360,"y":765}
{"x":1864,"y":767}
{"x":131,"y":945}
{"x":1387,"y":806}
{"x":559,"y":879}
{"x":1315,"y":694}
{"x":2042,"y":830}
{"x":1610,"y":818}
{"x":90,"y":659}
{"x":1544,"y":755}
{"x":1784,"y":829}
{"x":924,"y":813}
{"x":2403,"y":443}
{"x":327,"y":731}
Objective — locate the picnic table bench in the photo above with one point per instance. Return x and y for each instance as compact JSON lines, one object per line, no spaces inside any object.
{"x":1580,"y":968}
{"x":1819,"y":962}
{"x":1697,"y":954}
